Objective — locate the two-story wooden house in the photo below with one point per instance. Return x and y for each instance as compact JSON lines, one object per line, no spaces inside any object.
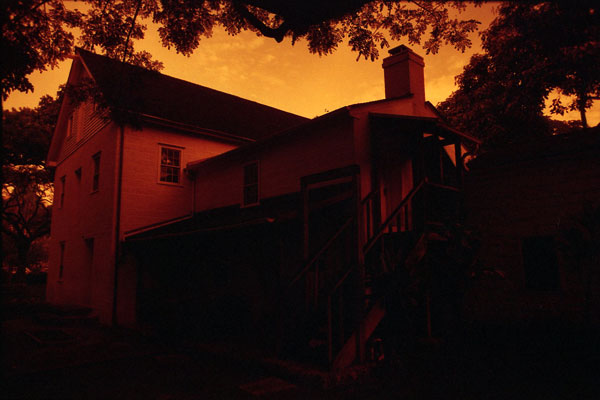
{"x":221,"y":215}
{"x":111,"y":178}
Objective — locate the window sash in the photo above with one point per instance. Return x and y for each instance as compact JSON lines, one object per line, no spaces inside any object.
{"x":170,"y":165}
{"x":96,"y":173}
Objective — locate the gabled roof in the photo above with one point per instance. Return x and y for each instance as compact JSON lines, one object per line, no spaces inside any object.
{"x":160,"y":96}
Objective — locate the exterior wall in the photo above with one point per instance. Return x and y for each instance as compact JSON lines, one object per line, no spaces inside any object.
{"x":88,"y":279}
{"x":511,"y":202}
{"x":362,"y":132}
{"x":146,"y":200}
{"x":281,"y":165}
{"x":85,"y":215}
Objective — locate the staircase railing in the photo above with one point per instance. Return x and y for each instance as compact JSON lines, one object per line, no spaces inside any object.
{"x":313,"y":260}
{"x":336,"y":293}
{"x":394,"y":216}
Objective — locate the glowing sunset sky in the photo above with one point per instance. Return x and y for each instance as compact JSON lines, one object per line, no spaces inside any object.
{"x":285,"y":76}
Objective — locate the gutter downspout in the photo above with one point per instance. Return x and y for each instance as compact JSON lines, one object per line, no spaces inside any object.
{"x":118,"y":224}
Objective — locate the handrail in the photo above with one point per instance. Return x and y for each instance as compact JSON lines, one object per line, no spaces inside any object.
{"x":321,"y":251}
{"x":445,"y":187}
{"x":340,"y":281}
{"x":390,"y":218}
{"x":368,"y":197}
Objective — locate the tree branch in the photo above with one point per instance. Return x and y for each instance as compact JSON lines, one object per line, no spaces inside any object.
{"x":137,"y":10}
{"x":274,"y":33}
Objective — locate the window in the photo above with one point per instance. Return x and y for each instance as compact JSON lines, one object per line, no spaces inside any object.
{"x":540,"y":263}
{"x":251,"y":184}
{"x":63,"y":181}
{"x":70,"y":126}
{"x":96,"y":174}
{"x":78,"y":174}
{"x":170,"y":165}
{"x":61,"y":259}
{"x":89,"y":245}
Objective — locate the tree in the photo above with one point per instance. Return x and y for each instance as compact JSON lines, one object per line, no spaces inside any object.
{"x":37,"y":34}
{"x":530,"y":50}
{"x":27,"y":132}
{"x":26,"y":206}
{"x":26,"y":184}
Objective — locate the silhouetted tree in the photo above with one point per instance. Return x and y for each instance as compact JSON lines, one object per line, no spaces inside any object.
{"x":26,"y":206}
{"x":26,"y":184}
{"x":36,"y":34}
{"x":27,"y":132}
{"x":529,"y":50}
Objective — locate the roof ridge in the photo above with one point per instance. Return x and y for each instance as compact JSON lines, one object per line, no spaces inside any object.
{"x":156,"y":94}
{"x":185,"y":82}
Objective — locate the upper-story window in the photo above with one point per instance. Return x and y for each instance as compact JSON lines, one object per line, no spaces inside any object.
{"x":170,"y":165}
{"x":96,"y":172}
{"x":63,"y":181}
{"x":70,"y":125}
{"x":251,"y":183}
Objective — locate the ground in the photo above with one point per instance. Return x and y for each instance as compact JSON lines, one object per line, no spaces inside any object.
{"x":54,"y":352}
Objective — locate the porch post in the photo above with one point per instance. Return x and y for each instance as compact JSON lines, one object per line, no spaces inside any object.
{"x":358,"y":260}
{"x":305,"y":237}
{"x":459,"y":177}
{"x":459,"y":163}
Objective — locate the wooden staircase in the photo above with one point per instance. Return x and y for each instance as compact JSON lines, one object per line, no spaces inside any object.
{"x":342,"y":311}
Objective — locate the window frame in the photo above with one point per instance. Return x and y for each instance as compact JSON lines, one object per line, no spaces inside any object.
{"x":63,"y":185}
{"x":61,"y":265}
{"x":179,"y":167}
{"x":96,"y":159}
{"x":246,"y":185}
{"x":70,"y":124}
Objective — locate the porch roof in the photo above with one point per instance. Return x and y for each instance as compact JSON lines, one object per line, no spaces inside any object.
{"x":277,"y":209}
{"x":432,"y":125}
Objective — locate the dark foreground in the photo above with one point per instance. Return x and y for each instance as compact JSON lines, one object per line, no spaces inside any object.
{"x":51,"y":353}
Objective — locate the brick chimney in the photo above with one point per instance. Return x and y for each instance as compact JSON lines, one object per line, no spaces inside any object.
{"x":403,"y":74}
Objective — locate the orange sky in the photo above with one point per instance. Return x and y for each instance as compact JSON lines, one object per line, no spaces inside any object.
{"x":285,"y":76}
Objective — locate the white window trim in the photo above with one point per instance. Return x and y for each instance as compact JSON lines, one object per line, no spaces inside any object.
{"x":257,"y":184}
{"x":159,"y":164}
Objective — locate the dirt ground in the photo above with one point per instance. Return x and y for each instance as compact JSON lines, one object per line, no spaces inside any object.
{"x":59,"y":353}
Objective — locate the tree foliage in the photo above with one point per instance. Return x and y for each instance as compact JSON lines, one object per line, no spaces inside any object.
{"x":26,"y":207}
{"x":27,"y":132}
{"x":529,"y":51}
{"x":37,"y":34}
{"x":26,"y":183}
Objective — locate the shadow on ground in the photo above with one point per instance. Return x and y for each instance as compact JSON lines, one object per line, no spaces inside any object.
{"x":60,"y":352}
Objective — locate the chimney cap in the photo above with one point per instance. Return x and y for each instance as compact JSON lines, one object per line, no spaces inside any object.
{"x":399,"y":49}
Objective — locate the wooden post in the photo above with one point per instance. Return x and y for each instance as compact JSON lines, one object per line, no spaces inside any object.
{"x":459,"y":164}
{"x":329,"y":333}
{"x":459,"y":178}
{"x":440,"y":150}
{"x":305,"y":239}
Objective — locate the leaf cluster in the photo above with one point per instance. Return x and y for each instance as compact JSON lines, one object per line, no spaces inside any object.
{"x":27,"y":132}
{"x":529,"y":51}
{"x":324,"y":25}
{"x":35,"y":36}
{"x":26,"y":202}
